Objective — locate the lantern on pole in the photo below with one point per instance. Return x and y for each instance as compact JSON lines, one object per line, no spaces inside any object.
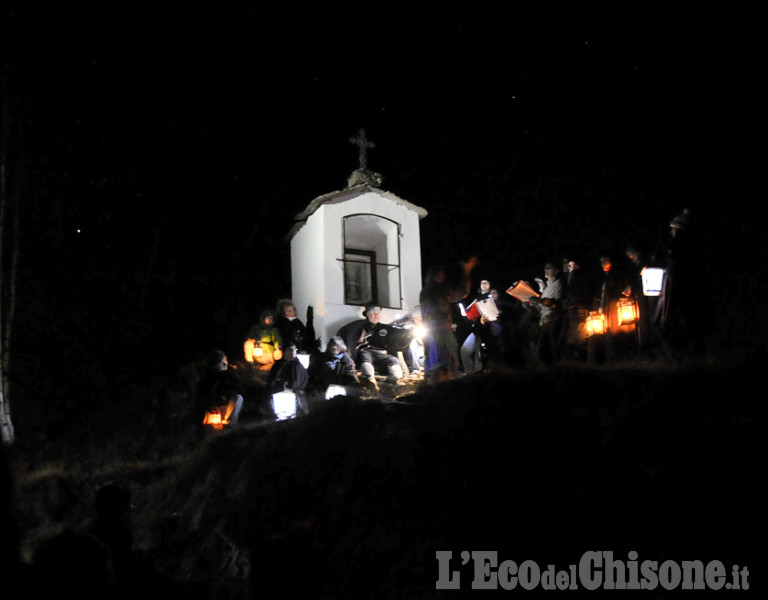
{"x":595,"y":323}
{"x":653,"y":279}
{"x":628,"y":311}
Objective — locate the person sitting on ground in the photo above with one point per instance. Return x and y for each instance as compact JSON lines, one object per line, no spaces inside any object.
{"x":292,"y":330}
{"x":219,"y":387}
{"x":264,"y":344}
{"x":334,"y":366}
{"x":366,"y":340}
{"x":289,"y":375}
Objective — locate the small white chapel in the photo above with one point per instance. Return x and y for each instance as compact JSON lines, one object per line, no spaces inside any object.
{"x":353,"y":246}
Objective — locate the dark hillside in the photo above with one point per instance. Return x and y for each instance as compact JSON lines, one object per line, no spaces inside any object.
{"x":354,"y":500}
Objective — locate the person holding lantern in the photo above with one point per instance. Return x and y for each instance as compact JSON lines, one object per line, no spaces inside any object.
{"x":289,"y":375}
{"x":219,"y":388}
{"x":616,"y":285}
{"x":264,"y":344}
{"x":577,"y":297}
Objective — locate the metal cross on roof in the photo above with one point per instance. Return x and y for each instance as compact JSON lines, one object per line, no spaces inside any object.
{"x":363,"y":144}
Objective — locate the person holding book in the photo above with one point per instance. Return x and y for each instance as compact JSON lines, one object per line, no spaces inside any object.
{"x":366,"y":340}
{"x":471,"y":351}
{"x":548,"y":308}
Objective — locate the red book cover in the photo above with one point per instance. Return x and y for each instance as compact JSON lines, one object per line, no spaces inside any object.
{"x":472,"y":312}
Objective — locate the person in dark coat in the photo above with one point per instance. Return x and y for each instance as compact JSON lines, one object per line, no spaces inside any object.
{"x":686,"y":317}
{"x":219,"y":387}
{"x":472,"y":350}
{"x":334,"y":366}
{"x":289,"y":375}
{"x":292,"y":329}
{"x":578,"y":294}
{"x":441,"y":347}
{"x":366,"y":340}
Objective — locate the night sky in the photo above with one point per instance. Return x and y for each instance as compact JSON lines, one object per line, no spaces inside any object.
{"x":162,"y":153}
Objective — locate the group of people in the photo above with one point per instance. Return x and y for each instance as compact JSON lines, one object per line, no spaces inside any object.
{"x":468,"y":328}
{"x":553,"y":323}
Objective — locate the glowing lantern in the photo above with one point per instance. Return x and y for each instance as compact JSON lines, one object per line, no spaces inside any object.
{"x":248,"y":350}
{"x":628,"y":311}
{"x":595,"y":324}
{"x":653,"y":279}
{"x":335,"y":390}
{"x":284,"y":405}
{"x":213,"y":418}
{"x":255,"y":353}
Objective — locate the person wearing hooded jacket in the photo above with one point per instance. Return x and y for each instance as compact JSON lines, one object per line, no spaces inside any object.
{"x":264,"y":344}
{"x":334,"y":366}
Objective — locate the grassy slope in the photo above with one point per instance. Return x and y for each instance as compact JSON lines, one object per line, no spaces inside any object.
{"x":360,"y":495}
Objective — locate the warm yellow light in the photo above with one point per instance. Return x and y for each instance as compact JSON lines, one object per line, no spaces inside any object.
{"x":628,"y":311}
{"x":595,"y":324}
{"x":213,"y":418}
{"x":248,"y":350}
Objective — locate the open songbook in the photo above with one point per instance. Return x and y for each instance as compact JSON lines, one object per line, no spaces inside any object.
{"x":481,"y":308}
{"x":522,"y":291}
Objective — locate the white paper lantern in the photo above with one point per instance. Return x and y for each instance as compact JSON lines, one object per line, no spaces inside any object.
{"x":335,"y":390}
{"x":653,"y":279}
{"x":284,"y":405}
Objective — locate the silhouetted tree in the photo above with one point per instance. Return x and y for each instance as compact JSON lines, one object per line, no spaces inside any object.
{"x":9,"y":240}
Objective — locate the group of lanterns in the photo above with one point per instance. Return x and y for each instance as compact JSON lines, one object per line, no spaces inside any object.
{"x":627,"y":309}
{"x":627,"y":314}
{"x":284,"y":403}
